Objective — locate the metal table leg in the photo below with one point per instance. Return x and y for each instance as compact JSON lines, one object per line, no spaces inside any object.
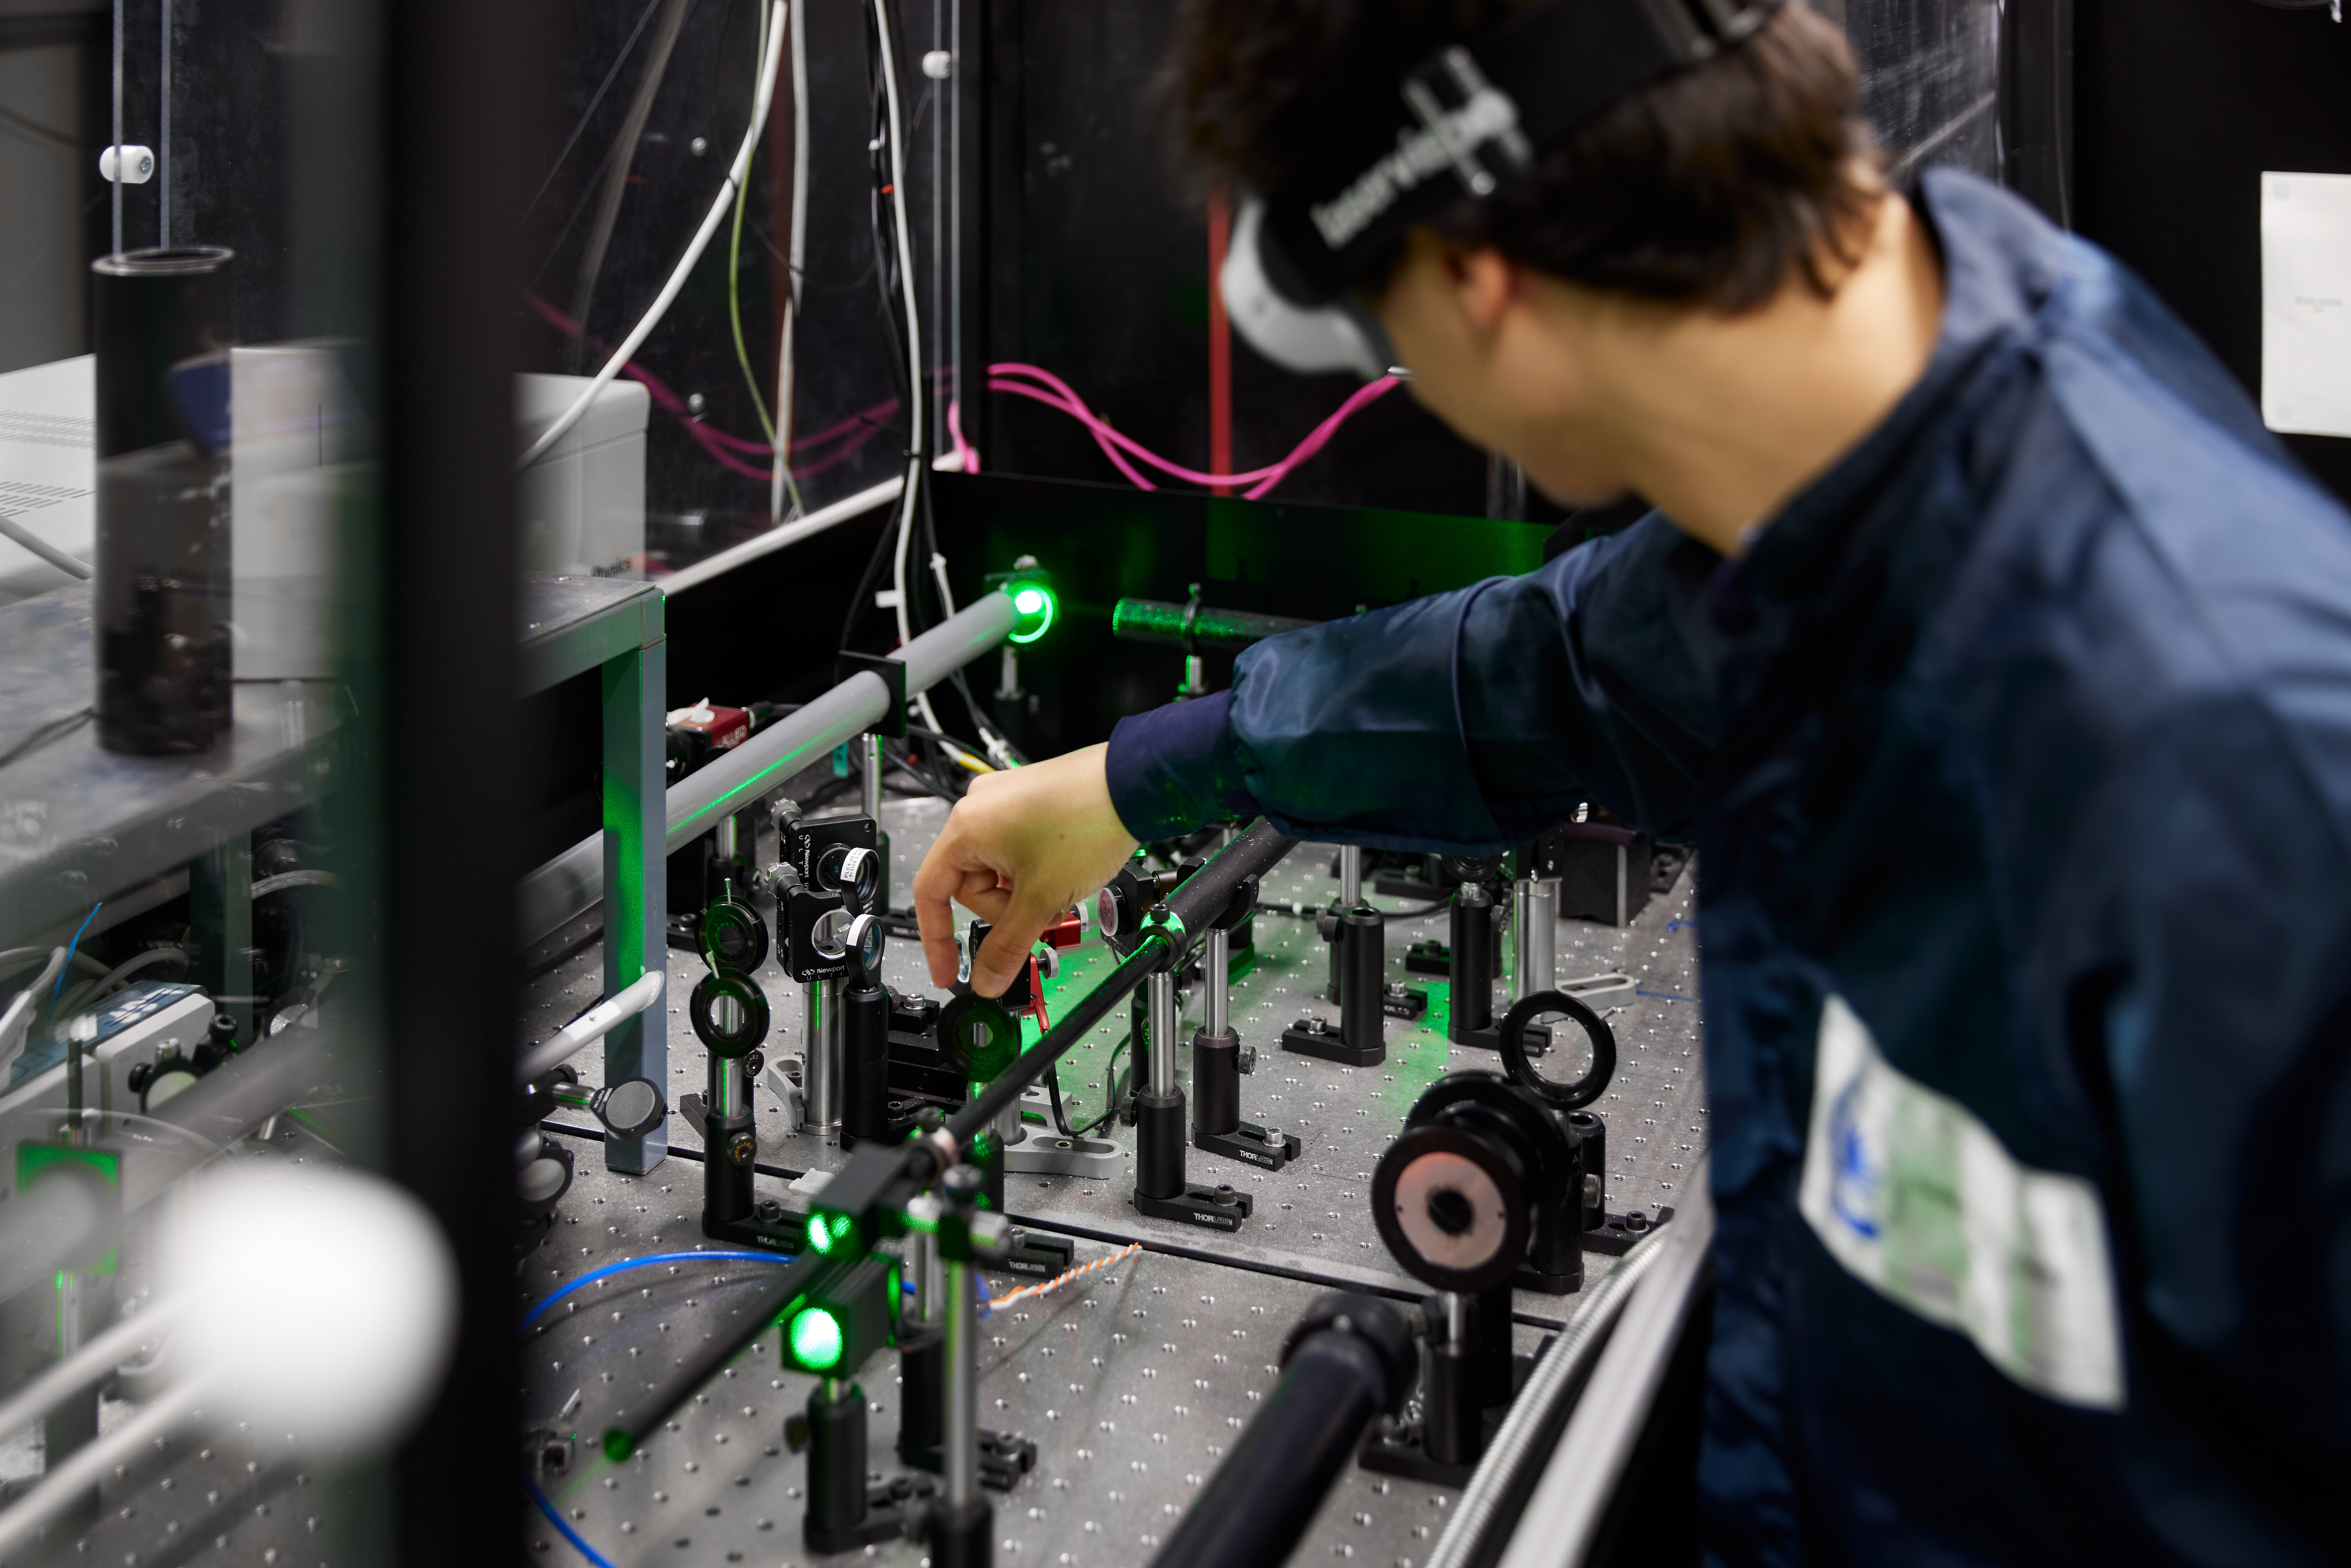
{"x":636,"y":880}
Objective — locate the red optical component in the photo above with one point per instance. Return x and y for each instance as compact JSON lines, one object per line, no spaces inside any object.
{"x":1065,"y":933}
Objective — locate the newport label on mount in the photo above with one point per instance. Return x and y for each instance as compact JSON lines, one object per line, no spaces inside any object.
{"x":1918,"y":1200}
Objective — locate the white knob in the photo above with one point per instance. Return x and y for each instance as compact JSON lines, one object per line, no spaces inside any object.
{"x":130,"y":165}
{"x":937,"y":64}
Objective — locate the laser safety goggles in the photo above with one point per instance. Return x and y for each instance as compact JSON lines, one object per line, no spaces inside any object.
{"x":1468,"y":119}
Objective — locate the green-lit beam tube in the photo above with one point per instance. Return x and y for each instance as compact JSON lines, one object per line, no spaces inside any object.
{"x":1153,"y":620}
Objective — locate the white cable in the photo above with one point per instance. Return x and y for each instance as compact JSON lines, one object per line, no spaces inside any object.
{"x":19,"y":1018}
{"x":85,"y":1367}
{"x":796,"y":264}
{"x":719,"y":212}
{"x":914,"y":343}
{"x":999,"y":750}
{"x":11,"y":529}
{"x":78,"y":1474}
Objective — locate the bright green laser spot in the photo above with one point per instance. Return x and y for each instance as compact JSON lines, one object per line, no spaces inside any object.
{"x":1035,"y":605}
{"x":817,"y":1340}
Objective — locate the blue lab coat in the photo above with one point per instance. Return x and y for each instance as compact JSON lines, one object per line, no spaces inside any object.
{"x":2017,"y":748}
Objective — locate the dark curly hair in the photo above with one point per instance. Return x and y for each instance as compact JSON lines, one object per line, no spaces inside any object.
{"x":1709,"y":188}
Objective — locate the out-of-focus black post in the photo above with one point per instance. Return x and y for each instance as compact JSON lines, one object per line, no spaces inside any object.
{"x":1470,"y":985}
{"x":460,"y":137}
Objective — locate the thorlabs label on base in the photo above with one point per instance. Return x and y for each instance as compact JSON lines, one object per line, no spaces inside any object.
{"x":1918,"y":1200}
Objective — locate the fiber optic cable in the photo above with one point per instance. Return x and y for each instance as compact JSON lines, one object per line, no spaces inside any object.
{"x":769,"y":56}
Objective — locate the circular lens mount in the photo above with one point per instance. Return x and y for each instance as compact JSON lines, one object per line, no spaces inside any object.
{"x":750,"y":1009}
{"x":1453,"y":1207}
{"x":978,"y":1036}
{"x":733,"y":937}
{"x":1559,"y":1096}
{"x":865,"y":942}
{"x":852,"y":871}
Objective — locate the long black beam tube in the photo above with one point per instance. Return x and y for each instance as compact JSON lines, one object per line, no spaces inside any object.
{"x":799,"y":1279}
{"x":1196,"y":903}
{"x":1267,"y":1489}
{"x":1189,"y":627}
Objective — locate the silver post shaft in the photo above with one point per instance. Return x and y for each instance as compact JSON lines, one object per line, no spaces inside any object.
{"x":1216,"y":960}
{"x":825,"y":1042}
{"x":930,"y":1290}
{"x":1351,"y":875}
{"x":725,"y":837}
{"x":733,"y":1090}
{"x":1160,"y":1020}
{"x":1457,"y":1316}
{"x":961,"y":1437}
{"x":1522,"y":924}
{"x":869,"y":776}
{"x":1541,"y":928}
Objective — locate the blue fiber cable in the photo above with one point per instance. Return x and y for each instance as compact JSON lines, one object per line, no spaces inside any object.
{"x":66,"y":968}
{"x":557,"y":1519}
{"x":626,"y":1264}
{"x":578,"y":1541}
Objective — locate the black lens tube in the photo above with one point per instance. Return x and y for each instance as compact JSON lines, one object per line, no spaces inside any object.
{"x":162,"y":321}
{"x":1350,"y":1359}
{"x":784,"y":1292}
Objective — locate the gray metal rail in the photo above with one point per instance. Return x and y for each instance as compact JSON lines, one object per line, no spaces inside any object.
{"x":571,"y":884}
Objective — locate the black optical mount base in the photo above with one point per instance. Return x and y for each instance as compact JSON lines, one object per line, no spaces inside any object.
{"x":1537,"y":1038}
{"x":1251,"y":1144}
{"x":1003,"y":1460}
{"x":1401,"y":1448}
{"x":958,"y":1537}
{"x":770,"y":1226}
{"x":1616,"y":1236}
{"x":1409,"y":1003}
{"x":1322,"y":1039}
{"x":891,"y":1511}
{"x":1215,"y":1208}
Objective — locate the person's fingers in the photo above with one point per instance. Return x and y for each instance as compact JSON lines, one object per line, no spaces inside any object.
{"x":1000,"y":957}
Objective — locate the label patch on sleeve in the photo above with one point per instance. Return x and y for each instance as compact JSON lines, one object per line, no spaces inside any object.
{"x":1919,"y":1201}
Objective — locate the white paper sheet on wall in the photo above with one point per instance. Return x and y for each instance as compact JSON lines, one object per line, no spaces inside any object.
{"x":2307,"y":303}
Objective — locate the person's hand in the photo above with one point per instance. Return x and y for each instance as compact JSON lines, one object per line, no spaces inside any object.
{"x":1021,"y":847}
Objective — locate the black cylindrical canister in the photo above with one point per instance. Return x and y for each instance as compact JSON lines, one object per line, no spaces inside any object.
{"x":1216,"y":1083}
{"x":1159,"y":1143}
{"x":836,"y":1468}
{"x":922,"y":1399}
{"x":161,"y":588}
{"x":865,"y":1078}
{"x":1471,"y":990}
{"x":1363,"y":1012}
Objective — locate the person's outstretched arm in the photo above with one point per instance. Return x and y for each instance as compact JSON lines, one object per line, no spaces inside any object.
{"x":1466,"y":721}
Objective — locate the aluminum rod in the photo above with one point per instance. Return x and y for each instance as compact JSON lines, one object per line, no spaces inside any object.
{"x":571,"y":884}
{"x":961,"y":1437}
{"x":1215,"y":981}
{"x":87,"y":1365}
{"x":1161,"y":992}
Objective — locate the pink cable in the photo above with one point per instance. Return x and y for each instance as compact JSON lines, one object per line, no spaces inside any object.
{"x":1261,"y":480}
{"x":966,"y":453}
{"x":1101,"y":432}
{"x":1071,"y":404}
{"x":712,"y":438}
